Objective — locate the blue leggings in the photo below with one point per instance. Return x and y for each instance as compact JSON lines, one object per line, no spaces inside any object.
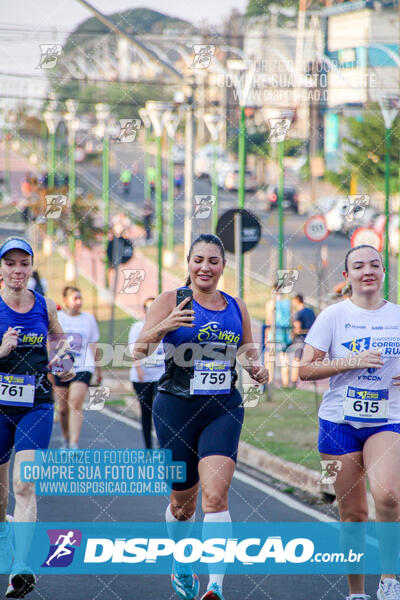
{"x":198,"y":427}
{"x":28,"y":430}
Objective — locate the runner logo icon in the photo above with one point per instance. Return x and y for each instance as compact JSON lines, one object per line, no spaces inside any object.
{"x":358,"y":345}
{"x":62,"y":547}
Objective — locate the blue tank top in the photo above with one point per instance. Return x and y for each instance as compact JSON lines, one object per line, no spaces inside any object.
{"x":30,"y":356}
{"x":216,"y":335}
{"x":281,"y":333}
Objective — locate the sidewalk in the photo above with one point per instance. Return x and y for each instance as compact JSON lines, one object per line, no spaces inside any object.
{"x":19,"y":166}
{"x":128,"y":298}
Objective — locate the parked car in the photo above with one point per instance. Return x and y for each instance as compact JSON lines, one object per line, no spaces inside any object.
{"x":203,"y":160}
{"x":228,"y":177}
{"x":290,"y":198}
{"x":394,"y":232}
{"x":178,"y":154}
{"x":339,"y":220}
{"x":325,"y":203}
{"x":335,"y":215}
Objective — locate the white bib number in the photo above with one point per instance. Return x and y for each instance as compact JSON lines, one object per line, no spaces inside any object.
{"x":17,"y":390}
{"x":367,"y":406}
{"x":211,"y":377}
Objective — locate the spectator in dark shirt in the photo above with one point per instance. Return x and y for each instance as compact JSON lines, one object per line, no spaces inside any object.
{"x":302,"y":320}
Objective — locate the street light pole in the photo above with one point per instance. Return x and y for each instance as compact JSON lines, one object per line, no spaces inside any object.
{"x":171,"y":122}
{"x":387,"y":197}
{"x":390,"y":106}
{"x":244,"y":92}
{"x":159,"y":219}
{"x":398,"y":239}
{"x":280,"y":204}
{"x":72,"y":126}
{"x":214,"y":123}
{"x":242,"y":184}
{"x":242,"y":157}
{"x":189,"y":91}
{"x":7,"y":178}
{"x":10,"y":117}
{"x":102,"y":114}
{"x":147,"y":124}
{"x":52,"y":120}
{"x":155,"y":111}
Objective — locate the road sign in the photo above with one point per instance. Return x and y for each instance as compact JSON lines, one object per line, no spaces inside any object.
{"x":316,"y":228}
{"x":251,"y":229}
{"x":119,"y":251}
{"x":364,"y":235}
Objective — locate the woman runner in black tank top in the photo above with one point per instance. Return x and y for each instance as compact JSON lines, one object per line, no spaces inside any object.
{"x":26,"y":402}
{"x":198,"y":412}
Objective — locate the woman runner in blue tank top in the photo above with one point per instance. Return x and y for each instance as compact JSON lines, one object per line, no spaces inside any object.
{"x":198,"y":412}
{"x":26,"y":402}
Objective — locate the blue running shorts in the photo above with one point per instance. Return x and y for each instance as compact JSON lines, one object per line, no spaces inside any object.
{"x":30,"y":430}
{"x":341,"y":438}
{"x":198,"y":427}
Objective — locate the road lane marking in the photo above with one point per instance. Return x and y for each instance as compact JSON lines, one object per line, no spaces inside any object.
{"x":244,"y":478}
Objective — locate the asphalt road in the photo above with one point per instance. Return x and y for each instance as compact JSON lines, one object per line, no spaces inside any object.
{"x":250,"y":500}
{"x":301,"y":254}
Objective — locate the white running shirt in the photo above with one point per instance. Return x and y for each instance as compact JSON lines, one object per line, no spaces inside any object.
{"x":343,"y":329}
{"x":153,"y":366}
{"x":85,"y":328}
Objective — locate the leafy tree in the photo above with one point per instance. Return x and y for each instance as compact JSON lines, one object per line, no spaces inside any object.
{"x":365,"y":153}
{"x":135,"y":21}
{"x":257,"y":8}
{"x":256,"y":143}
{"x":124,"y":98}
{"x":85,"y":215}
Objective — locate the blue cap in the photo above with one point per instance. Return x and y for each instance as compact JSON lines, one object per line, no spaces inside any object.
{"x":15,"y":244}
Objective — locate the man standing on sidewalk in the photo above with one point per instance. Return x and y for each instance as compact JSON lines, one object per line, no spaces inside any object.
{"x":302,"y":319}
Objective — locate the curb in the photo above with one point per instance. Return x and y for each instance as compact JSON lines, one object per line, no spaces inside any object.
{"x":265,"y":463}
{"x":279,"y":468}
{"x":260,"y":460}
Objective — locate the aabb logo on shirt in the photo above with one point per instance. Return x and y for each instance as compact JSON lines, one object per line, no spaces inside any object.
{"x":359,"y":345}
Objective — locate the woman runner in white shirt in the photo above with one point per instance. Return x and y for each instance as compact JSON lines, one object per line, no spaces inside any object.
{"x":83,"y":335}
{"x":356,"y":343}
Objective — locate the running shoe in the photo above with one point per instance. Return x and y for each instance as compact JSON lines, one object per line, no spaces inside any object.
{"x":358,"y":597}
{"x":185,"y":584}
{"x":21,"y":582}
{"x":389,"y":589}
{"x":214,"y":592}
{"x":6,"y":547}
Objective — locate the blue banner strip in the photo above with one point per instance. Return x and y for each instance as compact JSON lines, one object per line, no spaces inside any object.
{"x":247,"y":548}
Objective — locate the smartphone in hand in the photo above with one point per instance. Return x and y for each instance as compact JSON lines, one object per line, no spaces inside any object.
{"x":183,"y":293}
